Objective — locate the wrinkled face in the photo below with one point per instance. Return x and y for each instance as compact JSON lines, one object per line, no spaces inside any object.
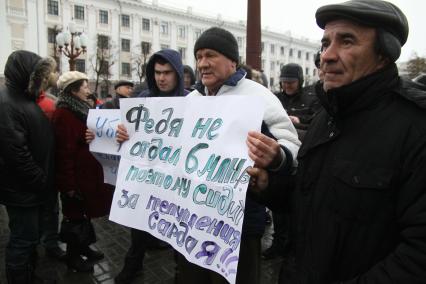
{"x":83,"y":92}
{"x":214,"y":68}
{"x":348,"y":53}
{"x":290,"y":87}
{"x":125,"y":90}
{"x":165,"y":77}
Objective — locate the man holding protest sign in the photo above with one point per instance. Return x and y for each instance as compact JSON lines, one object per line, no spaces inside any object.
{"x":216,"y":52}
{"x":164,"y":75}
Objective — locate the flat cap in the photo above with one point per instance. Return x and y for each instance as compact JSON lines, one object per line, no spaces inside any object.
{"x":123,"y":83}
{"x":372,"y":13}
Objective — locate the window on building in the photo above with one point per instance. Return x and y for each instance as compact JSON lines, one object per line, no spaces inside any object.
{"x":164,"y":46}
{"x":125,"y":21}
{"x":146,"y":47}
{"x":290,"y":52}
{"x":146,"y":24}
{"x":262,"y":46}
{"x":104,"y":90}
{"x":271,"y":81}
{"x":164,"y":28}
{"x":263,"y":64}
{"x":80,"y":65}
{"x":197,"y":33}
{"x":103,"y":17}
{"x":53,"y":7}
{"x":79,"y":12}
{"x":306,"y":71}
{"x":272,"y":48}
{"x":282,"y":50}
{"x":51,"y":35}
{"x":181,"y":32}
{"x":104,"y":67}
{"x":299,"y":54}
{"x":314,"y":72}
{"x":125,"y":69}
{"x":272,"y":66}
{"x":125,"y":45}
{"x":240,"y":41}
{"x":182,"y":52}
{"x":103,"y":41}
{"x":307,"y":55}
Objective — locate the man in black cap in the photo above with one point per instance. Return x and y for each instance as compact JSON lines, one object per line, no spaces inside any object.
{"x":300,"y":106}
{"x":360,"y":198}
{"x":123,"y":89}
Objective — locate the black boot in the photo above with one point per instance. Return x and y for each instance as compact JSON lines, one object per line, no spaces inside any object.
{"x":74,"y":261}
{"x":20,"y":276}
{"x":92,"y":255}
{"x":132,"y":267}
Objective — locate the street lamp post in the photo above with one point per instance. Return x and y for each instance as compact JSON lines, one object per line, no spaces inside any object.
{"x":71,"y":44}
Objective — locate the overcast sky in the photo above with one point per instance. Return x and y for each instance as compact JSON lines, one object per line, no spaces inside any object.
{"x":298,"y":16}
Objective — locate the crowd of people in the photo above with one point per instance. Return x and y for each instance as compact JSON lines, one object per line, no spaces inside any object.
{"x":341,"y":164}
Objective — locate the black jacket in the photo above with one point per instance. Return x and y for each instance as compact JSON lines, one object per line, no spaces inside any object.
{"x":360,"y":198}
{"x":26,"y":137}
{"x":303,"y":104}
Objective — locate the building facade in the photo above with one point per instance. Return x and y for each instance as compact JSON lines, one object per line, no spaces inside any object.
{"x":122,"y":34}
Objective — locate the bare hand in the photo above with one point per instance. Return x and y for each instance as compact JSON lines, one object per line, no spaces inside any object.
{"x":122,"y":134}
{"x":294,"y":119}
{"x":90,"y":136}
{"x":259,"y":179}
{"x":264,"y":151}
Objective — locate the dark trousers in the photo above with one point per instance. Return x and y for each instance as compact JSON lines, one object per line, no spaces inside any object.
{"x":138,"y":245}
{"x":281,"y":236}
{"x":248,"y":266}
{"x":25,"y":227}
{"x":50,"y":236}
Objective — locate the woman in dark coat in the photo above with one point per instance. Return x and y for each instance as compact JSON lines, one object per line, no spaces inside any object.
{"x":79,"y":176}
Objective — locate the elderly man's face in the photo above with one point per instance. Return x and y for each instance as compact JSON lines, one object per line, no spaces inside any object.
{"x":348,"y":53}
{"x":125,"y":90}
{"x":214,"y":68}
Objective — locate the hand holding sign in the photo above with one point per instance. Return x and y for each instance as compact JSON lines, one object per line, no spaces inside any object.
{"x":264,"y":151}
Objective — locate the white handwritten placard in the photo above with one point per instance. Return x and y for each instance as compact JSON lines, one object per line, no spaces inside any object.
{"x":103,"y":123}
{"x":109,"y":165}
{"x":182,"y":175}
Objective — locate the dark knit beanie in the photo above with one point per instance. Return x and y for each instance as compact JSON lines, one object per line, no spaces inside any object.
{"x":219,"y":40}
{"x":372,"y":13}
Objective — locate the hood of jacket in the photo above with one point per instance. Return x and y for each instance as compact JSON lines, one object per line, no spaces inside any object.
{"x":18,"y":69}
{"x":25,"y":72}
{"x":172,"y":57}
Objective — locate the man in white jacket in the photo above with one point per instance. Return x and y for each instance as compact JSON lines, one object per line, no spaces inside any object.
{"x":216,"y":52}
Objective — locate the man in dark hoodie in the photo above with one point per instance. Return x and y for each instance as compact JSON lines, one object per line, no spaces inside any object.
{"x":164,"y":75}
{"x":26,"y":160}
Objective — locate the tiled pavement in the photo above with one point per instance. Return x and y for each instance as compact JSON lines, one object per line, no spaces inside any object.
{"x":113,"y":240}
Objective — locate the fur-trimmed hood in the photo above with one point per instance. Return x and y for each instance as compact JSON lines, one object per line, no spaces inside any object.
{"x":25,"y":71}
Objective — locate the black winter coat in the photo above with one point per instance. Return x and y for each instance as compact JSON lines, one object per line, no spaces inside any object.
{"x":26,"y":138}
{"x":360,"y":198}
{"x":304,"y":105}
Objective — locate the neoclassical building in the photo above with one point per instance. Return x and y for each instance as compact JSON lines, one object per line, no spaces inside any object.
{"x":128,"y":30}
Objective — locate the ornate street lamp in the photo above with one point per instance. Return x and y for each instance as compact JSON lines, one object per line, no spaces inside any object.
{"x":71,"y":43}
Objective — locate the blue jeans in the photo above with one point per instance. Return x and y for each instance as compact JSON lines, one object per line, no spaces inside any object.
{"x":25,"y":227}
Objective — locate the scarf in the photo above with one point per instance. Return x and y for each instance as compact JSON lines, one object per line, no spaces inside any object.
{"x":75,"y":105}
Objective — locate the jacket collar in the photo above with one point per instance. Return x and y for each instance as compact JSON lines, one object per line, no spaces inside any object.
{"x":360,"y":94}
{"x":232,"y":81}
